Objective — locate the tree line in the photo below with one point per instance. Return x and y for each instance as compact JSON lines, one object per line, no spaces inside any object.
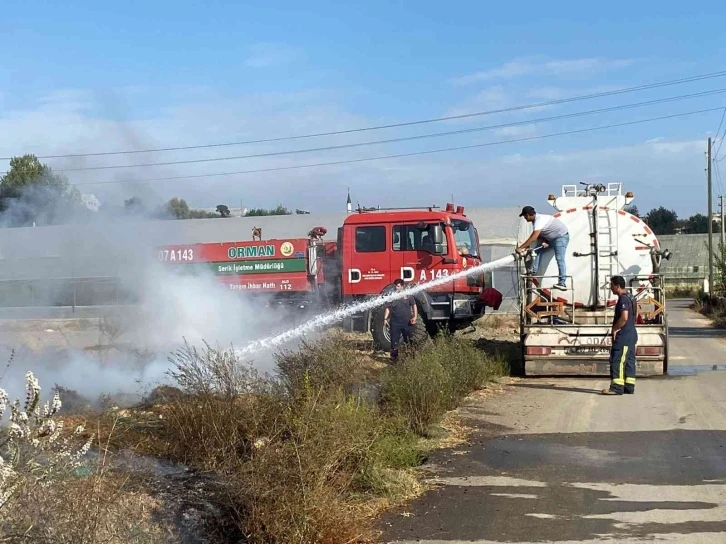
{"x":664,"y":221}
{"x":31,"y":193}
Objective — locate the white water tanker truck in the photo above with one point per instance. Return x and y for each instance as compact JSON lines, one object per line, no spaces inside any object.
{"x":568,"y":332}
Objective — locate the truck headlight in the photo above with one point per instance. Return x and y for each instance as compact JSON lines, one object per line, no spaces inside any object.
{"x":462,"y":307}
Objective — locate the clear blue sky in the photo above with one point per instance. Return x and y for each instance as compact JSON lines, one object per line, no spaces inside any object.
{"x":81,"y":76}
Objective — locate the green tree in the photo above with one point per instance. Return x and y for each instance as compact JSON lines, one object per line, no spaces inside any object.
{"x":698,"y":224}
{"x":280,"y":210}
{"x":632,"y":209}
{"x":662,"y":220}
{"x":202,"y":214}
{"x":177,"y":208}
{"x":223,"y":210}
{"x":30,"y":192}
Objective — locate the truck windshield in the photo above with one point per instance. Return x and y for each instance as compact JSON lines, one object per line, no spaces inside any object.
{"x":465,"y":238}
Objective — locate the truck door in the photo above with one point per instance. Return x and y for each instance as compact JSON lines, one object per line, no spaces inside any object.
{"x":367,"y":264}
{"x":412,"y":255}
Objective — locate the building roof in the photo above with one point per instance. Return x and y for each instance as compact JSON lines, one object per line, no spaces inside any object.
{"x":690,"y":255}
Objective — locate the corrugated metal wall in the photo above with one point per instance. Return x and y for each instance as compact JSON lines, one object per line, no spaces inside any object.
{"x":689,"y":263}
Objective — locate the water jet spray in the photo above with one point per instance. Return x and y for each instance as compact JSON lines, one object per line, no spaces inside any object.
{"x":330,"y":318}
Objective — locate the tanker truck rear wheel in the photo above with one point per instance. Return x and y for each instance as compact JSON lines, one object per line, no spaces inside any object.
{"x":382,"y":333}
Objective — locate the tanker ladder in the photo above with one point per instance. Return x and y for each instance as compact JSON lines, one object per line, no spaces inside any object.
{"x":605,"y":229}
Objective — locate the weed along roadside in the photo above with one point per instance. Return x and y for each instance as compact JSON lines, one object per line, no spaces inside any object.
{"x":311,"y":454}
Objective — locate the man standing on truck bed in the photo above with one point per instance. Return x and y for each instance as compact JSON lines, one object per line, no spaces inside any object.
{"x":548,"y":232}
{"x":400,"y":315}
{"x":625,"y":337}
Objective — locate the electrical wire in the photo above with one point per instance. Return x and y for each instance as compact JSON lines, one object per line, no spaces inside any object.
{"x":401,"y":139}
{"x":720,"y":124}
{"x":724,"y":135}
{"x":401,"y":155}
{"x":718,"y":177}
{"x":405,"y":124}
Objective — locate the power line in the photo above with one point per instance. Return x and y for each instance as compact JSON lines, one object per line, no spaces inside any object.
{"x":721,"y":123}
{"x":401,"y":155}
{"x":719,"y":129}
{"x":395,"y":140}
{"x":718,"y":178}
{"x":405,"y":124}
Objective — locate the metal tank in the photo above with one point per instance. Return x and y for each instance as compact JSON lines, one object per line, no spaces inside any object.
{"x":605,"y":240}
{"x":568,"y":332}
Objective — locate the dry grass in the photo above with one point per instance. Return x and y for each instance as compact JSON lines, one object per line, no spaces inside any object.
{"x":327,"y":365}
{"x":714,"y":309}
{"x":294,"y":489}
{"x":718,"y":318}
{"x":80,"y":510}
{"x":312,"y":454}
{"x":85,"y":505}
{"x":498,"y":322}
{"x":681,"y":291}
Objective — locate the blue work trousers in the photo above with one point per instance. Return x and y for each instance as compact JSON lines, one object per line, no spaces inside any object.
{"x":399,"y":329}
{"x":559,"y":246}
{"x":622,"y":363}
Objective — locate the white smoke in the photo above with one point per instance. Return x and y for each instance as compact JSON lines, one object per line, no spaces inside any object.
{"x":173,"y":308}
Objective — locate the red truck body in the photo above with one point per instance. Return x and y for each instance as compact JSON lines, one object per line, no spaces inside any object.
{"x":372,"y":249}
{"x":261,"y":266}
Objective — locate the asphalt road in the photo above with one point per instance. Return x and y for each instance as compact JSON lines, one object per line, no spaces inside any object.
{"x":553,"y":461}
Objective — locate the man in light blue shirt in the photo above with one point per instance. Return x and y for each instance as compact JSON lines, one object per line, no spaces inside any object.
{"x":549,"y":232}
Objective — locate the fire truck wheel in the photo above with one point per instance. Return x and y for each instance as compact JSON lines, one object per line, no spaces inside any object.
{"x":382,"y":334}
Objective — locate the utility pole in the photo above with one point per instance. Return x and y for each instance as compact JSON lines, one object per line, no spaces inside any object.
{"x":710,"y":220}
{"x":723,"y":227}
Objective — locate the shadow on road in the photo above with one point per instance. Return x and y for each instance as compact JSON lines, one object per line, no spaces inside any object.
{"x":567,"y":487}
{"x":557,"y":388}
{"x":696,"y":332}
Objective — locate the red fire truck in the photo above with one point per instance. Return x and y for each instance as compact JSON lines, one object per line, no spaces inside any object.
{"x":373,"y":248}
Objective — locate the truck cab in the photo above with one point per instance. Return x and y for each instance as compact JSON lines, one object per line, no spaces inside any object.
{"x":375,"y":247}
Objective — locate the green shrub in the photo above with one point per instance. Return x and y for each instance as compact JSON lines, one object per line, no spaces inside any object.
{"x":329,"y":364}
{"x":468,"y":366}
{"x":719,"y":318}
{"x":427,"y":383}
{"x":681,"y":291}
{"x":419,"y":388}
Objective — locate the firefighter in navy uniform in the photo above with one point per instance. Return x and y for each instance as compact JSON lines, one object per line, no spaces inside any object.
{"x":400,"y":315}
{"x":625,"y":337}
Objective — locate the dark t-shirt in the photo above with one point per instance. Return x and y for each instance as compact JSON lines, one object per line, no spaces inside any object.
{"x":626,"y":302}
{"x":401,"y":310}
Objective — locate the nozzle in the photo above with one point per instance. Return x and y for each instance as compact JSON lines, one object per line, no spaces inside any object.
{"x":522,"y":253}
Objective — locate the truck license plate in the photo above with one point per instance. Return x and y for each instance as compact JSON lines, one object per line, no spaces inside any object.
{"x":591,"y":350}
